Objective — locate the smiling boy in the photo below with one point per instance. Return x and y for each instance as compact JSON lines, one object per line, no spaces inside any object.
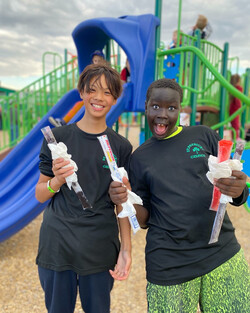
{"x":168,"y":172}
{"x":80,"y":249}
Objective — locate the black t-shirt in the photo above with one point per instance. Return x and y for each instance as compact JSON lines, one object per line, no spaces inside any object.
{"x":85,"y":241}
{"x":169,"y":175}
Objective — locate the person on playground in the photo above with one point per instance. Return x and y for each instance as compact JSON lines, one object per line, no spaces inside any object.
{"x":80,"y":249}
{"x":173,"y":43}
{"x":168,"y":172}
{"x":235,"y":104}
{"x":97,"y":57}
{"x":125,"y":73}
{"x":203,"y":25}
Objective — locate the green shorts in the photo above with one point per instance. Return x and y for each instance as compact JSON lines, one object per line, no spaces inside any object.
{"x":226,"y":289}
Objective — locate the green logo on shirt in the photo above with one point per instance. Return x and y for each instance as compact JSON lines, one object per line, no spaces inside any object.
{"x":195,"y":150}
{"x":104,"y":160}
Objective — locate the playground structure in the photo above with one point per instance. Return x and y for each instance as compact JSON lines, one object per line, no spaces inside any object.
{"x":18,"y":178}
{"x":201,"y":70}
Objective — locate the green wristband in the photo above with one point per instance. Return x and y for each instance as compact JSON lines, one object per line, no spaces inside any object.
{"x":50,"y":189}
{"x":248,"y":184}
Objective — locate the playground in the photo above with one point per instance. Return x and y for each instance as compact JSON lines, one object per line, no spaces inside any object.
{"x":202,"y":69}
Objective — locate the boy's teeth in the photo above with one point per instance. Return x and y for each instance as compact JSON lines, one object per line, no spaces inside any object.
{"x":97,"y":106}
{"x":160,"y":129}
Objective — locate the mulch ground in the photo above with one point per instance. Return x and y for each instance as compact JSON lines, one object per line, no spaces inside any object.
{"x":20,"y":290}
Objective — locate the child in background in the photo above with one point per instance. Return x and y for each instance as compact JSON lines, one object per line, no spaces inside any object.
{"x":125,"y":73}
{"x":168,"y":172}
{"x":173,"y":43}
{"x":235,"y":104}
{"x":80,"y":248}
{"x":203,"y":25}
{"x":97,"y":57}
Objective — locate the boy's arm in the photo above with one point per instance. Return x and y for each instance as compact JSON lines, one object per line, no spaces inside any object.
{"x":236,"y":188}
{"x":142,"y":215}
{"x":118,"y":194}
{"x":123,"y":265}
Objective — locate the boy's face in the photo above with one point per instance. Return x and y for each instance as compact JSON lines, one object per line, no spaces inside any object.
{"x":99,"y":100}
{"x":162,"y":110}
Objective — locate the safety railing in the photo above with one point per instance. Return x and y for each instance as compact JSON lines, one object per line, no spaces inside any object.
{"x":213,"y":53}
{"x":23,"y":109}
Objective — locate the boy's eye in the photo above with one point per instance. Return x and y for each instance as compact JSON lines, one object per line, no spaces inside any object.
{"x":107,"y":93}
{"x":155,"y":106}
{"x":171,"y":108}
{"x":92,"y":90}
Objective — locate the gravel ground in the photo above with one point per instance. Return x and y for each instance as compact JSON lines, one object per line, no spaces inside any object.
{"x":20,"y":290}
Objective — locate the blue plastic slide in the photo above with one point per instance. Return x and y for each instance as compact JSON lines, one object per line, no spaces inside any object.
{"x":19,"y":170}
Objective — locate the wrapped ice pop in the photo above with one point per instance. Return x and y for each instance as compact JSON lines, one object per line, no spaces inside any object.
{"x":60,"y":150}
{"x":224,"y":151}
{"x":128,"y":208}
{"x":224,"y":199}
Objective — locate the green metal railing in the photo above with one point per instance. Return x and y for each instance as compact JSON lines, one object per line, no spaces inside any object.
{"x":23,"y":109}
{"x":231,"y":62}
{"x":207,"y":93}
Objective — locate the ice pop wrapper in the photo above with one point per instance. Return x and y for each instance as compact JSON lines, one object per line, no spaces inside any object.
{"x":117,"y":174}
{"x":224,"y":151}
{"x":60,"y":150}
{"x":225,"y":199}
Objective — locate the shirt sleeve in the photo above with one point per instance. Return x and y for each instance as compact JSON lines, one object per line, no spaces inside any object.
{"x":138,"y":182}
{"x":45,"y":165}
{"x":242,"y":198}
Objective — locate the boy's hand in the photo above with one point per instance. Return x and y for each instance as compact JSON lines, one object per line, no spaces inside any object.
{"x":232,"y":186}
{"x":118,"y":191}
{"x":123,"y":266}
{"x":60,"y":171}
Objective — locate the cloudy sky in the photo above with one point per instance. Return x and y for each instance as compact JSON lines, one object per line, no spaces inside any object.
{"x":28,"y":28}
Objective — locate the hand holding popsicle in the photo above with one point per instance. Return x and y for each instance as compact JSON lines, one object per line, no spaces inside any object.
{"x":235,"y":187}
{"x":61,"y":171}
{"x":232,"y":187}
{"x":119,"y":191}
{"x":63,"y":167}
{"x":117,"y":174}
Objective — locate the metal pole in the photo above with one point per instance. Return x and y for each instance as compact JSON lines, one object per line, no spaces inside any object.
{"x":118,"y":58}
{"x":246,"y":90}
{"x":158,"y":9}
{"x":179,"y":23}
{"x":195,"y":77}
{"x":223,"y":90}
{"x":65,"y":69}
{"x":108,"y":51}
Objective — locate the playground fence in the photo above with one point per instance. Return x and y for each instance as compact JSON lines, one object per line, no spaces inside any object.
{"x":22,"y":110}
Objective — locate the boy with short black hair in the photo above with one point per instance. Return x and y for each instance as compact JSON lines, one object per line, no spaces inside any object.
{"x":81,"y":247}
{"x":168,"y":172}
{"x":98,"y":58}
